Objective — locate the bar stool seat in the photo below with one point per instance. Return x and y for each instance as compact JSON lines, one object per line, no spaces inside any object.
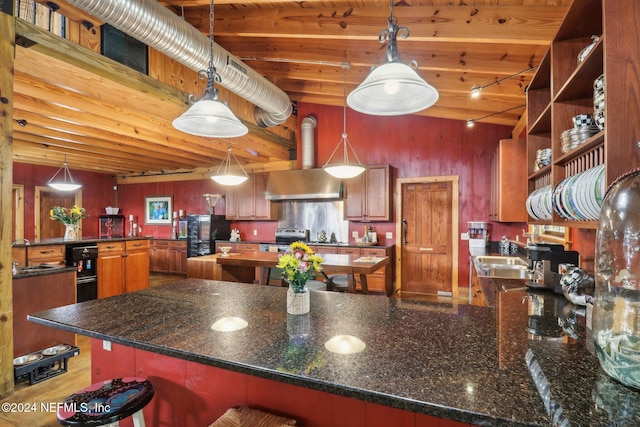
{"x":248,"y":417}
{"x":106,"y":402}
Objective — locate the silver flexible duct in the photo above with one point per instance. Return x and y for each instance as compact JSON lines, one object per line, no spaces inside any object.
{"x":153,"y":24}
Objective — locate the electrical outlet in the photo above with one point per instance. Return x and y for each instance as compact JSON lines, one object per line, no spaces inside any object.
{"x":354,"y":234}
{"x":106,"y":345}
{"x":389,"y":235}
{"x":255,"y":232}
{"x":464,"y":236}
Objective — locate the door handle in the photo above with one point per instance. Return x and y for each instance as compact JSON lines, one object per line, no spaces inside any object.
{"x":427,"y":249}
{"x":404,"y":231}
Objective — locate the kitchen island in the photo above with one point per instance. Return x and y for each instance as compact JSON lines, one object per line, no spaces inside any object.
{"x":424,"y":364}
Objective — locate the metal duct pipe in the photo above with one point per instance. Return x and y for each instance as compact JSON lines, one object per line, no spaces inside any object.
{"x":158,"y":27}
{"x":308,"y":156}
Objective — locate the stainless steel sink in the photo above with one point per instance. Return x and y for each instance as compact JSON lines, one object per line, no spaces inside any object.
{"x":501,"y":260}
{"x":514,"y":272}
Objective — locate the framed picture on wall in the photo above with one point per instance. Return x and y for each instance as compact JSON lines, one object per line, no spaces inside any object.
{"x":157,"y":210}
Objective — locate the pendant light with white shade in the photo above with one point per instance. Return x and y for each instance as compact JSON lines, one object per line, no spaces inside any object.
{"x":393,"y":88}
{"x":346,"y":169}
{"x":65,"y":181}
{"x":225,"y":176}
{"x":208,"y":116}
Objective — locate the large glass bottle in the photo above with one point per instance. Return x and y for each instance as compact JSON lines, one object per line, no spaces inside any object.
{"x":616,"y":314}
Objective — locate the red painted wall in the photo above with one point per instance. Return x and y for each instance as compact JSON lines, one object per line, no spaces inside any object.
{"x":97,"y":193}
{"x":414,"y":146}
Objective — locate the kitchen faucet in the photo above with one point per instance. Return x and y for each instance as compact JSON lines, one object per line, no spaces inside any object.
{"x":15,"y":242}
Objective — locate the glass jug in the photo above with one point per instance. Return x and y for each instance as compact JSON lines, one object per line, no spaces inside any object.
{"x":616,"y":313}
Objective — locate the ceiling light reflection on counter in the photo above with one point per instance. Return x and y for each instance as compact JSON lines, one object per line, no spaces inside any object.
{"x":229,"y":324}
{"x":345,"y":344}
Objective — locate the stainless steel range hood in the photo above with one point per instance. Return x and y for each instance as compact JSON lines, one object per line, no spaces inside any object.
{"x":303,"y":184}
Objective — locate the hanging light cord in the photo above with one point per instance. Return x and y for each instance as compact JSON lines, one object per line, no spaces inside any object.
{"x":345,"y":66}
{"x":226,"y":163}
{"x":210,"y":74}
{"x":391,"y":35}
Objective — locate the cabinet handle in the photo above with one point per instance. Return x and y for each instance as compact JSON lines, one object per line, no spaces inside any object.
{"x":110,"y":247}
{"x":124,"y":255}
{"x":45,"y":252}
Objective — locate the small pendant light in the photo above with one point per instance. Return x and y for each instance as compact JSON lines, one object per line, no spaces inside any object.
{"x":345,"y":169}
{"x":225,"y":176}
{"x":64,"y":182}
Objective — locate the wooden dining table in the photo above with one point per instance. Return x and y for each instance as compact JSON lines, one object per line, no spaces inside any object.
{"x":240,"y":267}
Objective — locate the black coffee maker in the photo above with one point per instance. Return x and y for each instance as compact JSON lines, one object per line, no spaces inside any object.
{"x":544,"y":259}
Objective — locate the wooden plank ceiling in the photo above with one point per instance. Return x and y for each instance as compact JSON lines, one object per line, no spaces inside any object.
{"x":107,"y":119}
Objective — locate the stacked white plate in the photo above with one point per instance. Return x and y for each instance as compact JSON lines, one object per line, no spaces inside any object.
{"x":579,"y":197}
{"x":598,"y":101}
{"x":539,"y":204}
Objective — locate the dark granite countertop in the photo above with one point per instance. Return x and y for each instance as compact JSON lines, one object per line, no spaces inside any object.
{"x":338,"y":244}
{"x":448,"y":360}
{"x":61,"y":241}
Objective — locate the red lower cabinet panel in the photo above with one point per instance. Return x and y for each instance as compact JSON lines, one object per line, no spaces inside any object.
{"x":189,"y":394}
{"x":214,"y":390}
{"x":429,"y":421}
{"x":115,"y":363}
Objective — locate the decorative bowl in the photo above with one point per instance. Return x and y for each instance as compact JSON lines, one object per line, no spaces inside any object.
{"x":225,"y":250}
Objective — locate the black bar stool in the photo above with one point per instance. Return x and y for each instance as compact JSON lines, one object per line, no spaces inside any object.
{"x":107,"y":402}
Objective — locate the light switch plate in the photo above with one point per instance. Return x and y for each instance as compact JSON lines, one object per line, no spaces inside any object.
{"x":464,"y":236}
{"x":388,"y":235}
{"x":106,"y":345}
{"x":255,"y":232}
{"x":354,"y":234}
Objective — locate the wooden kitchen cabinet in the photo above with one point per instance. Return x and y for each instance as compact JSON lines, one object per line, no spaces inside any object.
{"x":122,"y":267}
{"x":242,"y":246}
{"x":368,"y":196}
{"x":563,"y":88}
{"x":110,"y":269}
{"x":178,"y":257}
{"x":508,"y":182}
{"x":45,"y":254}
{"x":19,"y":255}
{"x":136,"y":267}
{"x":159,"y":256}
{"x":477,"y":297}
{"x":247,"y":202}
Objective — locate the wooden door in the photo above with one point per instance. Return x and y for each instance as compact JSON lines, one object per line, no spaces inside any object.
{"x":428,"y":226}
{"x":46,"y":198}
{"x":136,"y":269}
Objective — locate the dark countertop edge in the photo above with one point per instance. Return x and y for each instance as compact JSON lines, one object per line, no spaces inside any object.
{"x":337,"y":245}
{"x":364,"y":395}
{"x":43,"y":272}
{"x":61,"y":241}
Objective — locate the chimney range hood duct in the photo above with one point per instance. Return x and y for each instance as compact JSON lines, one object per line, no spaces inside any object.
{"x":153,"y":24}
{"x":303,"y":184}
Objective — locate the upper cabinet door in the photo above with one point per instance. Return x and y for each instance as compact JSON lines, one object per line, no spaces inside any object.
{"x":368,"y":196}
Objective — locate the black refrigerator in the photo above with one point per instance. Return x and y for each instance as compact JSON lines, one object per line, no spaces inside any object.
{"x":203,"y":231}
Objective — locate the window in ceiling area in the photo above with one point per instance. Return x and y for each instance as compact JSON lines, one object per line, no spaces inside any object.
{"x":124,"y":49}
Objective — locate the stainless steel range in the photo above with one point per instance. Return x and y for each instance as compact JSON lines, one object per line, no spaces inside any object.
{"x":284,"y":237}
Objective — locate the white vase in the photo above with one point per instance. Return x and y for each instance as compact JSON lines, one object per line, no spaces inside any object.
{"x":298,"y":302}
{"x":71,"y":231}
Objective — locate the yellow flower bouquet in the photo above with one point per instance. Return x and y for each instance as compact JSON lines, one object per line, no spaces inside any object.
{"x":299,"y":264}
{"x":68,"y":216}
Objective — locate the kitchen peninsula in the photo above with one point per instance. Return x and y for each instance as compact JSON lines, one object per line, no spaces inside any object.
{"x":416,"y":369}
